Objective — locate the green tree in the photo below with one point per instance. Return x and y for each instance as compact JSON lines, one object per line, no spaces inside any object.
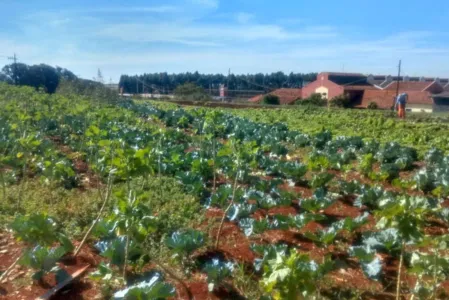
{"x":37,"y":76}
{"x":4,"y":78}
{"x":191,"y":91}
{"x":271,"y":99}
{"x":372,"y":105}
{"x":188,"y":89}
{"x":17,"y":73}
{"x":341,"y":101}
{"x":315,"y":99}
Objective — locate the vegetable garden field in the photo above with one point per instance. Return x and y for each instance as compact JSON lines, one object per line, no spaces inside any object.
{"x":147,"y":200}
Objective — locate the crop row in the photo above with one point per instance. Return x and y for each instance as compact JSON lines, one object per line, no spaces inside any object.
{"x":239,"y":167}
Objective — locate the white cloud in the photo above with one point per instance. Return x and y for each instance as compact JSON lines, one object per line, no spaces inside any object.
{"x":204,"y":34}
{"x":128,"y":9}
{"x":207,"y":3}
{"x":59,"y":21}
{"x":243,"y":17}
{"x":9,"y":47}
{"x":245,"y":61}
{"x":233,"y":41}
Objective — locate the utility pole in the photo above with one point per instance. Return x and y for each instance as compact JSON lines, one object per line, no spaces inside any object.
{"x":14,"y":58}
{"x":397,"y":86}
{"x":229,"y":76}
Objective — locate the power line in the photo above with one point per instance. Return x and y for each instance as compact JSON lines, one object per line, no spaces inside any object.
{"x":14,"y":58}
{"x":259,"y":85}
{"x":397,"y":85}
{"x":151,"y":86}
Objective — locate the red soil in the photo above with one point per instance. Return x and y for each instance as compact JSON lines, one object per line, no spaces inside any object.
{"x":19,"y":285}
{"x":341,"y":210}
{"x":234,"y":244}
{"x":284,"y":211}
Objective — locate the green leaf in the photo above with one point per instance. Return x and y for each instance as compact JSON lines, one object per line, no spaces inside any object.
{"x":373,"y":269}
{"x":61,"y":275}
{"x":38,"y":275}
{"x":185,"y":241}
{"x":226,"y":151}
{"x":66,"y":243}
{"x":103,"y":272}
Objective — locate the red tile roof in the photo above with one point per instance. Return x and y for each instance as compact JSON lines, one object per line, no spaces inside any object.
{"x":359,"y":87}
{"x":256,"y":99}
{"x":384,"y":98}
{"x":446,"y":87}
{"x":410,"y":85}
{"x":286,"y":96}
{"x":342,"y":74}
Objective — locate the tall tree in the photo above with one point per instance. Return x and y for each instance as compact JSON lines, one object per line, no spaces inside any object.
{"x":166,"y":83}
{"x":38,"y":76}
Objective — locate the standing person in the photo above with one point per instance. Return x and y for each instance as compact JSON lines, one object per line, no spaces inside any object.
{"x":401,"y":101}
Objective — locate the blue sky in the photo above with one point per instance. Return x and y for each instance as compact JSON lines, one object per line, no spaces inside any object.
{"x":211,"y":36}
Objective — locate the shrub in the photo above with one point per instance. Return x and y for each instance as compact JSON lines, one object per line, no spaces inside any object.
{"x":187,"y":89}
{"x":192,"y":92}
{"x":372,"y":105}
{"x":198,"y":97}
{"x":340,"y":101}
{"x":271,"y":99}
{"x":314,"y":100}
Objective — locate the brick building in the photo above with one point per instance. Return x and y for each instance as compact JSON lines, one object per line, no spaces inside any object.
{"x":330,"y":85}
{"x":381,"y":89}
{"x":425,"y":94}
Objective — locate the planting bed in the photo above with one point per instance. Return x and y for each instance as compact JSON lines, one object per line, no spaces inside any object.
{"x":286,"y":215}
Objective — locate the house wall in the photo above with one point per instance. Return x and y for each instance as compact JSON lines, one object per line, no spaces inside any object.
{"x":322,"y":85}
{"x":324,"y":91}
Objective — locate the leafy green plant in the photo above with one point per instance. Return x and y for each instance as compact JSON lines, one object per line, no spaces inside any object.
{"x":294,"y":170}
{"x":106,"y":276}
{"x":319,"y":201}
{"x":185,"y":242}
{"x":39,"y":232}
{"x":371,"y":264}
{"x":299,"y":221}
{"x":389,"y":172}
{"x":366,"y":163}
{"x":369,"y":196}
{"x":321,"y":180}
{"x":323,"y":237}
{"x":267,"y":252}
{"x":240,"y":210}
{"x":251,"y":226}
{"x":407,"y":214}
{"x":131,"y":221}
{"x":431,"y":268}
{"x":44,"y":260}
{"x":149,"y":288}
{"x":217,"y":271}
{"x":287,"y":277}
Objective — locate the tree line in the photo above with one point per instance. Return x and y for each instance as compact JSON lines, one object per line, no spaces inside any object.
{"x":165,"y":83}
{"x":57,"y":80}
{"x":40,"y":76}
